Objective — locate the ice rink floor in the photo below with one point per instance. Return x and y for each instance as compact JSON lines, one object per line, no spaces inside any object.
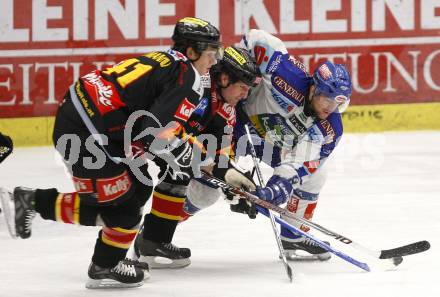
{"x":383,"y":191}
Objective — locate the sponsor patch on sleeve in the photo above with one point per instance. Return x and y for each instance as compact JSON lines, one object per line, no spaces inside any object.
{"x":184,"y":110}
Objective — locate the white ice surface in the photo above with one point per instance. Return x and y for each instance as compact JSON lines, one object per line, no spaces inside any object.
{"x":383,"y":190}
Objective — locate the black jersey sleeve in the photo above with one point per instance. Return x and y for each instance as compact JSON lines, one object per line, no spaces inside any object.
{"x":173,"y":106}
{"x":163,"y":132}
{"x":161,"y":88}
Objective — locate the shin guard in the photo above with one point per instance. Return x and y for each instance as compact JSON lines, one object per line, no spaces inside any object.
{"x":166,"y":211}
{"x":118,"y":237}
{"x":302,"y":207}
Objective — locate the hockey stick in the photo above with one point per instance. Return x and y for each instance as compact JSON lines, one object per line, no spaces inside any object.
{"x":270,"y":214}
{"x":406,"y":250}
{"x":393,"y":256}
{"x":264,"y":206}
{"x":320,"y":243}
{"x":413,"y":248}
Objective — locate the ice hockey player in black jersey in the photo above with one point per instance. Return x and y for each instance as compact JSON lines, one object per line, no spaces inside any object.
{"x":229,"y":82}
{"x":6,"y":146}
{"x":106,"y":119}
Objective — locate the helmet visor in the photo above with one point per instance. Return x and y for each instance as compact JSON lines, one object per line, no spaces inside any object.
{"x":338,"y":103}
{"x":213,"y":49}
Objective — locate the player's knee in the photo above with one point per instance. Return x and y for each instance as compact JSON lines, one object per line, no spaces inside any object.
{"x":200,"y":196}
{"x":142,"y":193}
{"x":168,"y":200}
{"x":315,"y":182}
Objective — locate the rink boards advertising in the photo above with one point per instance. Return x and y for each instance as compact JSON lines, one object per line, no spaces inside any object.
{"x":393,"y":54}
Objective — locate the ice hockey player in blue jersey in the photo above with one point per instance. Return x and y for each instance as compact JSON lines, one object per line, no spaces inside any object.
{"x":301,"y":115}
{"x":296,"y":118}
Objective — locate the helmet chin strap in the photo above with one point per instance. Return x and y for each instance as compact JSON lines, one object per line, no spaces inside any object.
{"x":308,"y":108}
{"x":199,"y":55}
{"x":220,"y":91}
{"x":220,"y":87}
{"x":195,"y":60}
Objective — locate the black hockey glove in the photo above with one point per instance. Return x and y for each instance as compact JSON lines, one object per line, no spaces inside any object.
{"x":239,"y":179}
{"x":177,"y":159}
{"x":6,"y":146}
{"x":245,"y":207}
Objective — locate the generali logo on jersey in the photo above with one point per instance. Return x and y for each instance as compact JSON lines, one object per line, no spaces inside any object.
{"x":112,"y":188}
{"x":184,"y":110}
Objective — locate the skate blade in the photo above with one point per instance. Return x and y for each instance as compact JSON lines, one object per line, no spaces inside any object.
{"x":6,"y":199}
{"x":295,"y":256}
{"x":156,"y":262}
{"x":110,"y":284}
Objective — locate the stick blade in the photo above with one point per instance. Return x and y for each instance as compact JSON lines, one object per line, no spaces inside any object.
{"x":289,"y":273}
{"x":406,"y":250}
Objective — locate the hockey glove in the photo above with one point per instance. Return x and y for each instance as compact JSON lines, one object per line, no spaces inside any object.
{"x":235,"y":177}
{"x":178,"y":161}
{"x":278,"y":189}
{"x":239,"y":179}
{"x":6,"y":146}
{"x":171,"y":148}
{"x":245,"y":207}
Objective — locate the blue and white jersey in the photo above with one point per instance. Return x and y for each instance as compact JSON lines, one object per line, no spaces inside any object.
{"x":275,"y":110}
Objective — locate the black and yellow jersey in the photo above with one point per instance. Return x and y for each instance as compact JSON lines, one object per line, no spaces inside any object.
{"x":165,"y":84}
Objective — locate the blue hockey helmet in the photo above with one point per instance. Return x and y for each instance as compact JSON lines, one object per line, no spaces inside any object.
{"x":333,"y":80}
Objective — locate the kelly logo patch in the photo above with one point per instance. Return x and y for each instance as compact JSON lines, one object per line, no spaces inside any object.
{"x":184,"y":110}
{"x":112,"y":188}
{"x":83,"y":185}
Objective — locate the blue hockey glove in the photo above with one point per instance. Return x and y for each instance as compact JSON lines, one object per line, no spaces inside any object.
{"x":278,"y":189}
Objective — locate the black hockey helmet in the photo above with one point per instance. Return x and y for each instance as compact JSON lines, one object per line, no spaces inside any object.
{"x":239,"y":65}
{"x":196,"y":33}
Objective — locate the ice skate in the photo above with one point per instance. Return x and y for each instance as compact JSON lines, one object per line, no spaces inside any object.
{"x":142,"y":265}
{"x":304,"y":249}
{"x":160,"y":255}
{"x":19,"y":211}
{"x":24,"y":200}
{"x":7,"y":203}
{"x":127,"y":274}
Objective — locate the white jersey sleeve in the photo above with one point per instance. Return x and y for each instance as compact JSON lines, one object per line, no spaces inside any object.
{"x":266,"y":48}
